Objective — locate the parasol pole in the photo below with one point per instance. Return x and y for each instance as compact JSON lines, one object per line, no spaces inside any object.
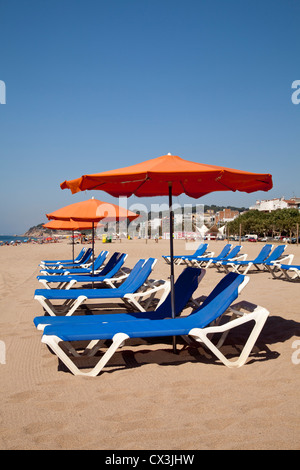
{"x":73,"y":244}
{"x":93,"y":244}
{"x":171,"y":212}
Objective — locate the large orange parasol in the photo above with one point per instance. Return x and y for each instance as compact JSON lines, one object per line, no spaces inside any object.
{"x":151,"y":178}
{"x":92,"y":210}
{"x":170,"y":175}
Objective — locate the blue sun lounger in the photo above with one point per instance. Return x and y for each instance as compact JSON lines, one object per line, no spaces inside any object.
{"x":201,"y":261}
{"x":245,"y":265}
{"x":184,"y":288}
{"x":179,"y":258}
{"x":83,"y":261}
{"x":131,"y":291}
{"x":106,"y":275}
{"x":195,"y":326}
{"x":62,"y":261}
{"x":278,"y":256}
{"x":232,"y":255}
{"x":81,"y":269}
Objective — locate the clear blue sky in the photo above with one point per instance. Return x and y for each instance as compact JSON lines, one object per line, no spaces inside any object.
{"x":93,"y":85}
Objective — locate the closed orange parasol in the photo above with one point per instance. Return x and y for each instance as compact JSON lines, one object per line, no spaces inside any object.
{"x":171,"y":175}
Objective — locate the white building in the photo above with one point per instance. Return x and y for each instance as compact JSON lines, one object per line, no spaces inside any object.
{"x":274,"y":204}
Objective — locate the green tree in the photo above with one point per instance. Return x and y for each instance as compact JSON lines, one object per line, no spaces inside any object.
{"x":281,"y":221}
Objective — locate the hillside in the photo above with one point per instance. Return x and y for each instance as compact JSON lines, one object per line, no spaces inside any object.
{"x":38,"y":231}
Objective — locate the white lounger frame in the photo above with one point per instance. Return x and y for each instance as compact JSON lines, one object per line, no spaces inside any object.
{"x":149,"y":290}
{"x":277,"y":271}
{"x":68,"y":284}
{"x":243,"y":269}
{"x":241,"y":312}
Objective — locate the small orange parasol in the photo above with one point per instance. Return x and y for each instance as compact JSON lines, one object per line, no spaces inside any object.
{"x":68,"y":225}
{"x":92,"y":210}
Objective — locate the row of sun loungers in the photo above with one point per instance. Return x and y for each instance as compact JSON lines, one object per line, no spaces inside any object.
{"x":230,"y":259}
{"x":83,"y":258}
{"x":135,"y":287}
{"x":74,"y":336}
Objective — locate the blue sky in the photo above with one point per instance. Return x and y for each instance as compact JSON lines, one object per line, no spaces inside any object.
{"x":93,"y":85}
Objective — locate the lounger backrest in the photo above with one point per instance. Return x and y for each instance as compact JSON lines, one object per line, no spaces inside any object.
{"x":80,"y":255}
{"x":117,"y":266}
{"x":234,"y":252}
{"x":217,"y":302}
{"x":86,"y":256}
{"x":110,"y":264}
{"x":83,"y":250}
{"x":100,"y":259}
{"x":136,"y":280}
{"x":264,"y":253}
{"x":224,"y":252}
{"x":277,"y":252}
{"x":185,"y":285}
{"x":201,"y":249}
{"x":133,"y":273}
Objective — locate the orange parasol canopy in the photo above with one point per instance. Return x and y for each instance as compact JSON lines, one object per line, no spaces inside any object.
{"x":68,"y":225}
{"x":92,"y":210}
{"x":150,"y":178}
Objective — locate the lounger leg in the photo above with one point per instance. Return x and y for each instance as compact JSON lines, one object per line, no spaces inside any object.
{"x":130,"y":299}
{"x":47,"y":305}
{"x":54,"y":310}
{"x":53,"y":343}
{"x":275,"y":271}
{"x":226,"y":267}
{"x":135,"y":299}
{"x":259,"y":315}
{"x":291,"y":277}
{"x":67,"y":286}
{"x":76,"y":304}
{"x":45,"y":283}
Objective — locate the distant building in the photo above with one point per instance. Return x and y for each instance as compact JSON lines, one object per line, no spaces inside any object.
{"x":274,"y":204}
{"x":294,"y":203}
{"x":226,"y":215}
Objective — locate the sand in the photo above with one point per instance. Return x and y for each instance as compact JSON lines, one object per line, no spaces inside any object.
{"x":151,"y":399}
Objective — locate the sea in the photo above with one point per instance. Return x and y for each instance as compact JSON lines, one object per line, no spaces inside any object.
{"x":4,"y":239}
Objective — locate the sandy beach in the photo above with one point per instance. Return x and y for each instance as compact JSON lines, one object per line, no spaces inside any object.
{"x":151,"y":399}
